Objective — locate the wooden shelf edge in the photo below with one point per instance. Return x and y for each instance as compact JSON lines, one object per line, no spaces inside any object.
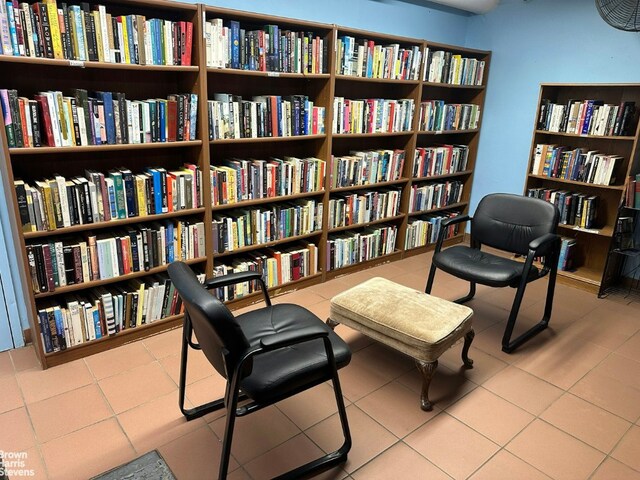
{"x":447,"y":132}
{"x":103,"y":148}
{"x":578,"y":135}
{"x":369,"y":185}
{"x":96,"y":65}
{"x":439,"y":177}
{"x":260,"y":201}
{"x":606,"y":231}
{"x":276,"y":291}
{"x":270,"y":244}
{"x":367,"y":135}
{"x":451,"y":85}
{"x":292,"y":138}
{"x":354,"y":78}
{"x":574,"y":182}
{"x":361,"y":225}
{"x":259,"y":73}
{"x":459,"y":238}
{"x":374,"y":262}
{"x":439,"y":209}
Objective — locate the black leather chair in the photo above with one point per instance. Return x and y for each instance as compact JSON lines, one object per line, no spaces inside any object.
{"x":517,"y":225}
{"x":265,"y":355}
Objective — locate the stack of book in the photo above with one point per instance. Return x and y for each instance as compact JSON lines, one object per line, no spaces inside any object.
{"x":355,"y":247}
{"x":632,"y":193}
{"x":425,"y":229}
{"x":588,"y":117}
{"x":269,"y":49}
{"x":575,"y":164}
{"x":440,"y":160}
{"x":446,"y":67}
{"x":107,"y":311}
{"x":263,"y":116}
{"x":59,"y":202}
{"x":244,"y":227}
{"x":239,"y":180}
{"x":363,"y":58}
{"x":278,"y":266}
{"x":55,"y":120}
{"x":366,"y":167}
{"x":372,"y":115}
{"x":363,"y":207}
{"x":84,"y":33}
{"x":437,"y":116}
{"x":577,"y":209}
{"x":434,"y":195}
{"x":567,"y":249}
{"x":72,"y":261}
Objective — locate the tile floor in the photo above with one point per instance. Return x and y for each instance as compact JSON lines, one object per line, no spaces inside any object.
{"x":566,"y":405}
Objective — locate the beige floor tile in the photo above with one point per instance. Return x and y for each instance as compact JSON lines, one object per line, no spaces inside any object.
{"x":6,"y":365}
{"x":622,"y":369}
{"x":11,"y":397}
{"x":304,"y":297}
{"x":165,"y":344}
{"x":490,"y":415}
{"x":485,"y":314}
{"x":555,"y":452}
{"x":24,"y":358}
{"x":118,"y":360}
{"x":239,"y":474}
{"x":330,"y":289}
{"x":68,"y":412}
{"x":356,"y":340}
{"x":293,"y":453}
{"x":400,"y":462}
{"x":452,"y":446}
{"x":485,"y":366}
{"x":397,"y":408}
{"x":631,"y":348}
{"x":195,"y":455}
{"x":585,"y":421}
{"x":516,"y":386}
{"x":205,"y":391}
{"x":611,"y":334}
{"x":39,"y":384}
{"x":321,"y":309}
{"x":198,"y":366}
{"x":135,"y":387}
{"x":628,"y":450}
{"x":311,"y":406}
{"x":32,"y":462}
{"x":446,"y":386}
{"x":610,"y":394}
{"x":257,"y":433}
{"x":156,"y":423}
{"x":505,"y":466}
{"x":613,"y":470}
{"x":87,"y":452}
{"x":369,"y":438}
{"x":17,"y":432}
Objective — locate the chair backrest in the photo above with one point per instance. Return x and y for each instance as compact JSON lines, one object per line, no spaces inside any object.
{"x":510,"y":222}
{"x":216,"y":328}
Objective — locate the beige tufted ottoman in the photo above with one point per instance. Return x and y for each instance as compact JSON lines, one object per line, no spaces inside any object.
{"x":410,"y":321}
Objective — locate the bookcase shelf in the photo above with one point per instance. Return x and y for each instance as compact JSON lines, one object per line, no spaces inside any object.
{"x":453,"y":206}
{"x":138,"y":82}
{"x":593,"y":244}
{"x":448,"y":132}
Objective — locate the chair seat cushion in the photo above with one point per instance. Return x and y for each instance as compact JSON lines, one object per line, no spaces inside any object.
{"x":280,"y":372}
{"x":481,"y":267}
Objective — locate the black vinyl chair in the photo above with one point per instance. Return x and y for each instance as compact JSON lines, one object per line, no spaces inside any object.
{"x":514,"y":224}
{"x":265,"y":355}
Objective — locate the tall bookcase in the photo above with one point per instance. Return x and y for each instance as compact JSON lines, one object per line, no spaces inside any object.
{"x":592,"y":244}
{"x":209,"y":80}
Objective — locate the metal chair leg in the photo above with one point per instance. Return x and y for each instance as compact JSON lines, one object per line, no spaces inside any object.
{"x":469,"y":296}
{"x":432,"y":274}
{"x":509,"y":345}
{"x":232,"y":394}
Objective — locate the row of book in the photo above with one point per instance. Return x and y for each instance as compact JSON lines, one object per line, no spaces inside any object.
{"x":372,"y":115}
{"x":352,"y":247}
{"x":576,"y":164}
{"x":268,"y":49}
{"x":577,"y":209}
{"x":366,"y":167}
{"x":54,"y":120}
{"x":239,"y":180}
{"x":363,"y":58}
{"x":263,"y":116}
{"x":587,"y":117}
{"x":623,"y":236}
{"x":60,"y":202}
{"x":567,"y":253}
{"x":278,"y":266}
{"x":438,"y":116}
{"x":90,"y":33}
{"x":425,"y":229}
{"x":447,"y":67}
{"x":107,"y":311}
{"x":72,"y":261}
{"x":363,"y":207}
{"x":434,"y":195}
{"x":632,"y":192}
{"x":440,"y":160}
{"x":244,"y":227}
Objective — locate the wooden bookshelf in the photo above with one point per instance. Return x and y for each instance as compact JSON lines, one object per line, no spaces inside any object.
{"x":593,"y":244}
{"x":31,"y":75}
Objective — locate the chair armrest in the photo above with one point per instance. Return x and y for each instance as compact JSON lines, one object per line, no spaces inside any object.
{"x":238,"y":277}
{"x":443,"y":227}
{"x":541,"y":244}
{"x":284,"y":339}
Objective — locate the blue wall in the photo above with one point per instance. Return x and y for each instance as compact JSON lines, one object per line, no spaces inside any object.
{"x":535,"y":42}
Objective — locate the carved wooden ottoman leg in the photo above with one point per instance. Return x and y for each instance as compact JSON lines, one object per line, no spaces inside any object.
{"x":468,"y":338}
{"x":427,"y":369}
{"x":332,"y":324}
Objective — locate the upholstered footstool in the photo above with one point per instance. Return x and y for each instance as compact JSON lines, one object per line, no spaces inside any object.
{"x":410,"y":321}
